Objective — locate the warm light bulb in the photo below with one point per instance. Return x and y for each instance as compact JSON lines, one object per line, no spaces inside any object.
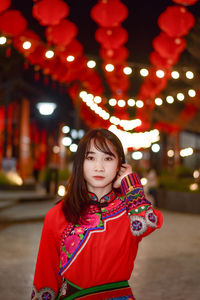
{"x":112,"y":102}
{"x":144,"y":72}
{"x":170,"y":99}
{"x":131,"y":102}
{"x":70,"y":58}
{"x":180,"y":96}
{"x":3,"y":40}
{"x":189,"y":75}
{"x":160,"y":73}
{"x":127,"y":70}
{"x":192,"y":93}
{"x":139,"y":103}
{"x":91,"y":64}
{"x":158,"y":101}
{"x":109,"y":67}
{"x":121,"y":103}
{"x":26,"y":45}
{"x":49,"y":54}
{"x":175,"y":75}
{"x":170,"y":153}
{"x":97,"y":99}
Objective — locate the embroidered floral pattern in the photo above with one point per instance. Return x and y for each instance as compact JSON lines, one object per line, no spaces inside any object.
{"x":151,"y":218}
{"x":138,"y":225}
{"x":71,"y":240}
{"x":43,"y":294}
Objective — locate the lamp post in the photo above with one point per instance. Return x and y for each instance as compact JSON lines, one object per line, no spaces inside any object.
{"x":47,"y":109}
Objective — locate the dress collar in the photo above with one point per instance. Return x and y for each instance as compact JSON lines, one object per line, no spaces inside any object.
{"x":105,"y":199}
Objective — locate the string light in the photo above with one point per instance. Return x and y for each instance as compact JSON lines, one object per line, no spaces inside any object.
{"x":121,"y":103}
{"x":144,"y":72}
{"x":170,"y":99}
{"x":160,"y":73}
{"x":91,"y":64}
{"x":70,"y":58}
{"x":189,"y":75}
{"x":131,"y":102}
{"x":109,"y":67}
{"x":186,"y":152}
{"x":170,"y":153}
{"x":49,"y":54}
{"x":112,"y":102}
{"x":158,"y":101}
{"x":3,"y":40}
{"x":175,"y":75}
{"x":65,"y":129}
{"x":180,"y":96}
{"x":139,"y":103}
{"x":127,"y":70}
{"x":97,"y":99}
{"x":192,"y":93}
{"x":26,"y":45}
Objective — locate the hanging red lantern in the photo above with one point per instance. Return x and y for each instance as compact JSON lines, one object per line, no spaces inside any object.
{"x":168,"y":47}
{"x":160,"y":61}
{"x":109,"y":13}
{"x":37,"y":57}
{"x":185,"y":2}
{"x":26,"y":36}
{"x":111,"y":38}
{"x":12,"y":23}
{"x":74,"y":49}
{"x":176,"y":21}
{"x":50,"y":12}
{"x":61,"y":34}
{"x":4,"y":4}
{"x":115,"y":56}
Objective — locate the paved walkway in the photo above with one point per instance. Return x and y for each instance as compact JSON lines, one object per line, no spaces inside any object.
{"x":167,"y":266}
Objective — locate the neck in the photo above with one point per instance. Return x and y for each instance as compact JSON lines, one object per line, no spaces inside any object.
{"x":101,"y":192}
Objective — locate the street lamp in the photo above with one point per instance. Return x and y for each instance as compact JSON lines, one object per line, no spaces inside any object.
{"x":46,"y":108}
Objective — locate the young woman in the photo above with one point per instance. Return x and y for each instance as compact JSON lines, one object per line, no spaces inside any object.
{"x":90,"y":239}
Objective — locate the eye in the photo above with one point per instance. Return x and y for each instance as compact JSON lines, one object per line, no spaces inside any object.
{"x":109,"y":158}
{"x":89,"y":157}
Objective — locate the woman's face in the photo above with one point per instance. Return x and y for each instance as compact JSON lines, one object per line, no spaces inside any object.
{"x":100,"y":169}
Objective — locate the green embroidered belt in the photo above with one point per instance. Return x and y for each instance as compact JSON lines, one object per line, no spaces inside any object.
{"x":109,"y":287}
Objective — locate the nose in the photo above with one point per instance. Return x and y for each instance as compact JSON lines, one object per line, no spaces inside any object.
{"x":99,"y":166}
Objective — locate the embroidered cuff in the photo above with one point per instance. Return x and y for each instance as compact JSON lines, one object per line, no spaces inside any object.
{"x":130,"y":182}
{"x":44,"y":293}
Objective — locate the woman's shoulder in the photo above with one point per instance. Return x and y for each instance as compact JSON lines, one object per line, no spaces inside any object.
{"x":55,"y":215}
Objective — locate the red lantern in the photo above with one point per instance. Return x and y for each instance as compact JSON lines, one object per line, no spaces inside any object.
{"x":109,"y":13}
{"x":4,"y":4}
{"x":176,"y":21}
{"x":73,"y":49}
{"x":159,"y":61}
{"x":27,"y":35}
{"x":50,"y":12}
{"x":61,"y":34}
{"x":185,"y":2}
{"x":37,"y":56}
{"x":168,"y":47}
{"x":12,"y":23}
{"x":114,"y":56}
{"x":111,"y":38}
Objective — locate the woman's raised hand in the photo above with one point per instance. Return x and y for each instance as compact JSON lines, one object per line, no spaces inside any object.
{"x":124,"y":170}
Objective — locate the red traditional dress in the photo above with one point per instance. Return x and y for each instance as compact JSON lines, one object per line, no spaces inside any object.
{"x":94,"y":259}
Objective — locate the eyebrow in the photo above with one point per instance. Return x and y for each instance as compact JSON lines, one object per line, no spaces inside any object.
{"x":108,"y":153}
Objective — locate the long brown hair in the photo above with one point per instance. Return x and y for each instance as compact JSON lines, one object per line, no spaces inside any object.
{"x":76,"y":199}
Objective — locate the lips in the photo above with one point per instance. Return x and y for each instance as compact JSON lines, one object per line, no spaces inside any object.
{"x":98,"y":177}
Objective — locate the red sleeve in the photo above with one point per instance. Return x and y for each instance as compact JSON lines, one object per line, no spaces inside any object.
{"x":47,"y":281}
{"x":144,"y":218}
